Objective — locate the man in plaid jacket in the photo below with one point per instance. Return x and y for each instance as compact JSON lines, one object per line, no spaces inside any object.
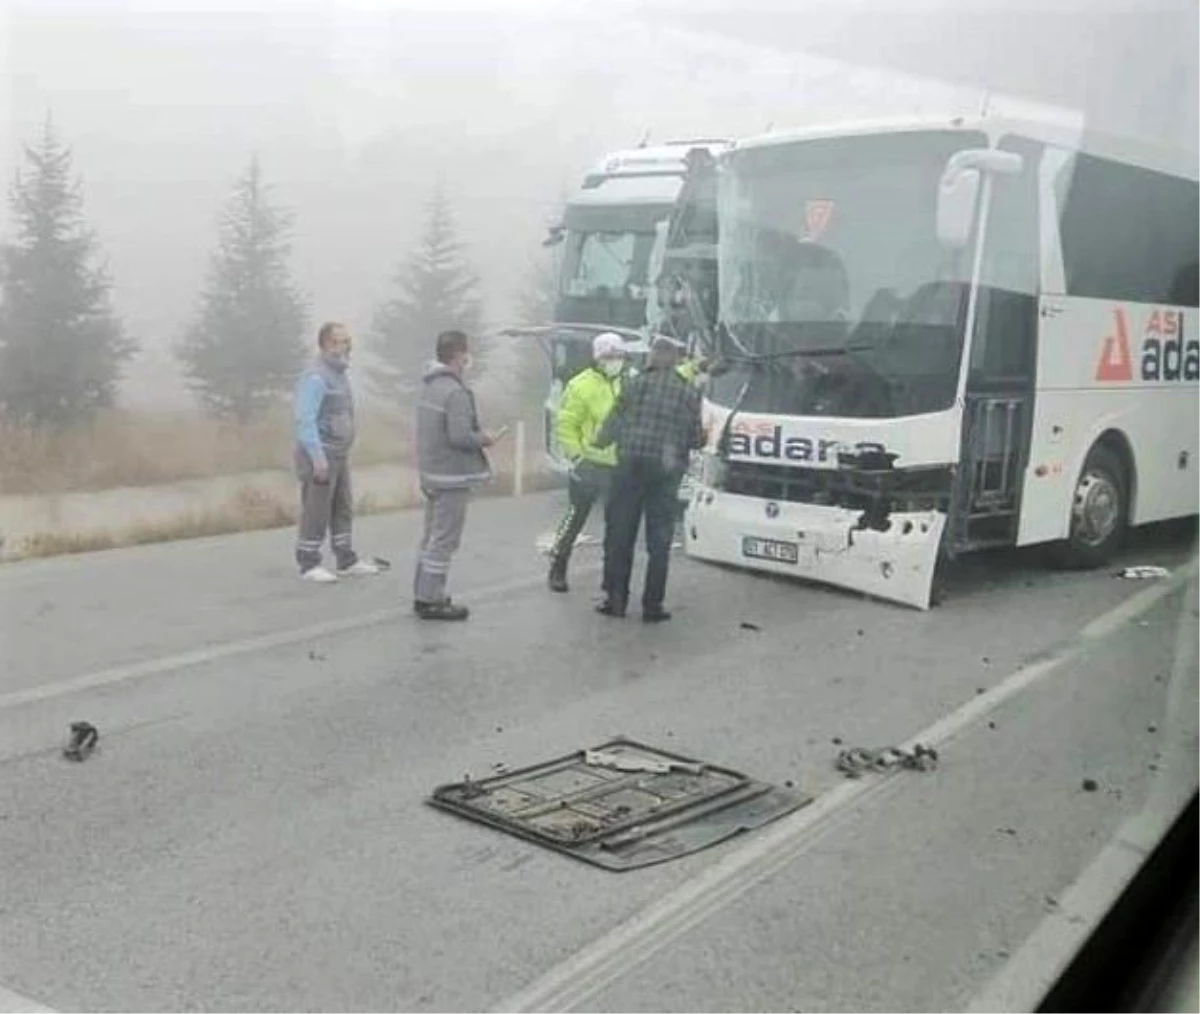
{"x":655,"y":425}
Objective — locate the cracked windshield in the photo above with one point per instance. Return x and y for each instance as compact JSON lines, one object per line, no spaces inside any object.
{"x":609,"y":505}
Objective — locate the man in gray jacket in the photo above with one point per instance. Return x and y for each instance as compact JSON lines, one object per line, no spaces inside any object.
{"x":452,"y":462}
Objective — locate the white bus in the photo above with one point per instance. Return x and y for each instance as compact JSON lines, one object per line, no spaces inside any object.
{"x":943,"y":336}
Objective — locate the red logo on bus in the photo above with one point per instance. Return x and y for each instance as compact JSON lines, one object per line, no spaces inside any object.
{"x":816,"y":217}
{"x":1116,"y":364}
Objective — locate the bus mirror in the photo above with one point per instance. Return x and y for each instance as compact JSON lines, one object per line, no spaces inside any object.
{"x":958,"y":191}
{"x":957,"y":194}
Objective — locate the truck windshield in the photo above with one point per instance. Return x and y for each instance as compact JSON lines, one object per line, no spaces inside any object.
{"x":607,"y":265}
{"x":836,"y":296}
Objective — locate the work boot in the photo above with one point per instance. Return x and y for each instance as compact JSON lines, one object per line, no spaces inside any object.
{"x":612,"y":607}
{"x":658,"y":615}
{"x":444,"y":610}
{"x":558,"y":576}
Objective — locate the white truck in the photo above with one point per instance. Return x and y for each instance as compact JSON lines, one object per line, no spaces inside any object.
{"x":613,"y":239}
{"x":938,"y":336}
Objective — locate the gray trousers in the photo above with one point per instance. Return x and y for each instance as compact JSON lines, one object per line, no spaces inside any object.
{"x":445,"y":518}
{"x":325,"y":507}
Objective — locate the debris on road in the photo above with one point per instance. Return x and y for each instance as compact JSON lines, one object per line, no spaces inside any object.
{"x":857,"y":761}
{"x":381,"y":563}
{"x":1090,"y":785}
{"x":747,"y":625}
{"x":316,"y":656}
{"x":1010,"y":831}
{"x":1152,"y":728}
{"x":837,"y":740}
{"x":623,"y":761}
{"x":1144,"y":573}
{"x":81,"y":742}
{"x":639,"y":806}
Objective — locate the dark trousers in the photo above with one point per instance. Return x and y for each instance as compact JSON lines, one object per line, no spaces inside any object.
{"x":325,"y":508}
{"x":588,"y":483}
{"x":640,"y":488}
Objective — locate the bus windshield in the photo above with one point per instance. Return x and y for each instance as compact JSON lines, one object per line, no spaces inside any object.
{"x":836,"y":296}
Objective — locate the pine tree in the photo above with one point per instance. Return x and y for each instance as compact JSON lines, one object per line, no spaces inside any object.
{"x":437,"y":290}
{"x":61,"y":345}
{"x":246,"y":346}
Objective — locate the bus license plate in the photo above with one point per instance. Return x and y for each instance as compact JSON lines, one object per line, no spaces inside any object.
{"x":770,"y":549}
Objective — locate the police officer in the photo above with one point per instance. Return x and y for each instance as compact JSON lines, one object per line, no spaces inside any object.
{"x":586,"y":403}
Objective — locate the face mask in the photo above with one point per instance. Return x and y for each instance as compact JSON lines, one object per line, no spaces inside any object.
{"x":467,"y":362}
{"x":338,"y":360}
{"x":611,"y":367}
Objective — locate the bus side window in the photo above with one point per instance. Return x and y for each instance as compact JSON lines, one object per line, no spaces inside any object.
{"x":1129,"y":233}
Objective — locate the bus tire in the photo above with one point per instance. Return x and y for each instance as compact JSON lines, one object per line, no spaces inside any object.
{"x":1099,"y":512}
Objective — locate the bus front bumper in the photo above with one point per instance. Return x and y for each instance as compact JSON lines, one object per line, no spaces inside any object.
{"x":818,"y":543}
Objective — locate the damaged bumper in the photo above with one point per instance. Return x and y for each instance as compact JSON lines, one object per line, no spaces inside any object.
{"x":818,"y":543}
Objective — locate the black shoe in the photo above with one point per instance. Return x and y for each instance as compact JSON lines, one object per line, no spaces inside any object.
{"x":655,"y":616}
{"x":558,"y":579}
{"x":610,"y":608}
{"x":446,"y":610}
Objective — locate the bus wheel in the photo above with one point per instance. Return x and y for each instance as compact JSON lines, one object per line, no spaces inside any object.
{"x":1099,"y":512}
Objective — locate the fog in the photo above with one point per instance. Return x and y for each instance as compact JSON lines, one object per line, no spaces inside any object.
{"x":358,"y":110}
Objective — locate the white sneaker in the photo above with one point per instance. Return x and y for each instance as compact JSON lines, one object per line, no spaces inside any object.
{"x":319,"y":575}
{"x":360,"y":568}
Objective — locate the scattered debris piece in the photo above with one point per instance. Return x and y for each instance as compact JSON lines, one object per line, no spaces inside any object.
{"x":81,"y":742}
{"x":623,"y":761}
{"x":986,"y":660}
{"x":981,"y":690}
{"x":666,"y":807}
{"x":991,"y":725}
{"x":747,"y":625}
{"x":1144,"y":573}
{"x":789,"y":784}
{"x":1152,"y":728}
{"x":1143,"y":623}
{"x":316,"y":656}
{"x":1153,"y":767}
{"x":1051,"y":901}
{"x":858,"y":760}
{"x":837,"y":740}
{"x":381,"y":563}
{"x":499,"y":728}
{"x":1090,"y":785}
{"x":861,"y":632}
{"x":1010,"y":831}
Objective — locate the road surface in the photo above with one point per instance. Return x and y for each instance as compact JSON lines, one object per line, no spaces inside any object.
{"x":251,"y":832}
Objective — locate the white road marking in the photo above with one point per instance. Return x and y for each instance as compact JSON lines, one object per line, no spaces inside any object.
{"x":593,"y":968}
{"x":15,"y":1003}
{"x":263,"y":642}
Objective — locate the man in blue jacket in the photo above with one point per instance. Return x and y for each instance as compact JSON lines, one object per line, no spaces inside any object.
{"x":324,"y":418}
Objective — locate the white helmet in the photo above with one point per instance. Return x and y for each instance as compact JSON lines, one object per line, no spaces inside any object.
{"x":608,"y":346}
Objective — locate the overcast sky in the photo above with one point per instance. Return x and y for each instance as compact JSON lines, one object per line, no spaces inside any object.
{"x":358,"y":109}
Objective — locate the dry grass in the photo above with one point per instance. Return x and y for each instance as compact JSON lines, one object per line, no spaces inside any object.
{"x":144,"y":449}
{"x":249,"y":510}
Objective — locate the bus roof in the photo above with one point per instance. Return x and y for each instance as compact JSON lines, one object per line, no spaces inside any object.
{"x":1057,"y":127}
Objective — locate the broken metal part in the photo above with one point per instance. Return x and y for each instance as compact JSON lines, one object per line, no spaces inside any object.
{"x":624,"y":760}
{"x":638,"y":806}
{"x":857,"y":761}
{"x":81,"y":742}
